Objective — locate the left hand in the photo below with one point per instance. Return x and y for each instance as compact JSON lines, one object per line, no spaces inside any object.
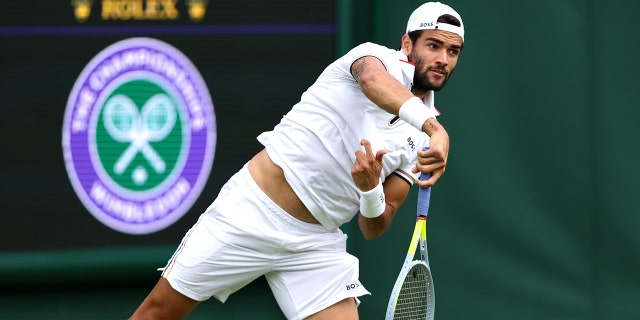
{"x":433,"y":160}
{"x":366,"y":170}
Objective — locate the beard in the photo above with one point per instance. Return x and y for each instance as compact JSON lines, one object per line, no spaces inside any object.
{"x":421,"y":80}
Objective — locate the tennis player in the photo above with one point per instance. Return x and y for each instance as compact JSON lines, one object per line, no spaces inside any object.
{"x":350,"y":147}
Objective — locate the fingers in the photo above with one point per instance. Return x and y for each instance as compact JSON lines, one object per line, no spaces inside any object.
{"x":430,"y":161}
{"x":429,"y":165}
{"x":379,"y":155}
{"x":435,"y":176}
{"x":430,"y":156}
{"x":367,"y":147}
{"x":368,"y":152}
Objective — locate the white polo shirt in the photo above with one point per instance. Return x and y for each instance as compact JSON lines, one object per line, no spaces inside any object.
{"x":315,"y":142}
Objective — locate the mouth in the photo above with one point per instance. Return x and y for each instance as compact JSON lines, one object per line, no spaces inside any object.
{"x":438,"y":72}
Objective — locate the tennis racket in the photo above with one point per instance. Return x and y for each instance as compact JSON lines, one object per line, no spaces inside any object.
{"x":413,"y":296}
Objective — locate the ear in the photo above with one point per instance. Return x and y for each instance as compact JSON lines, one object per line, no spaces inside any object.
{"x":406,"y":45}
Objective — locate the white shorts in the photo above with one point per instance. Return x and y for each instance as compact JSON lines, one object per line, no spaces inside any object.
{"x":244,"y":235}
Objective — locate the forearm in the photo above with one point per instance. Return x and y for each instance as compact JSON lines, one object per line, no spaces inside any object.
{"x":378,"y":85}
{"x":372,"y":228}
{"x":385,"y":91}
{"x":392,"y":96}
{"x":396,"y":190}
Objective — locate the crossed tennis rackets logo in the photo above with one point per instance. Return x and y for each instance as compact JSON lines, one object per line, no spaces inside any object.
{"x":139,"y":143}
{"x":125,"y":123}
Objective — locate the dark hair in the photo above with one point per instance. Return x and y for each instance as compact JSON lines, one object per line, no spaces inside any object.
{"x":445,"y":18}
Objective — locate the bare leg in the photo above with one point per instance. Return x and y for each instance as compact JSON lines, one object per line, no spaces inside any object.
{"x":164,"y":303}
{"x":346,"y":309}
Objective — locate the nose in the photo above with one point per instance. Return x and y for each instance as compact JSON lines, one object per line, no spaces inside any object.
{"x":442,"y":57}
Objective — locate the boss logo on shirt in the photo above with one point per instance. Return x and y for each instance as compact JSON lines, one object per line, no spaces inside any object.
{"x":352,"y":286}
{"x":139,"y":135}
{"x":412,"y":145}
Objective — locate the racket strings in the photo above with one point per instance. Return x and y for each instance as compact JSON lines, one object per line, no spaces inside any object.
{"x":413,"y":299}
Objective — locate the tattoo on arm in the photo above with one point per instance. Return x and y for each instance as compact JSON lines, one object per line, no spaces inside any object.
{"x":431,"y":126}
{"x":358,"y":67}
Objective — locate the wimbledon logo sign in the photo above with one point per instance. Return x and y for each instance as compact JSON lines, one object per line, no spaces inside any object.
{"x":139,"y":135}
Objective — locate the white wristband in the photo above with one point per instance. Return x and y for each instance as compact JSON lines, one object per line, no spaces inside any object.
{"x":414,"y":112}
{"x":372,"y":202}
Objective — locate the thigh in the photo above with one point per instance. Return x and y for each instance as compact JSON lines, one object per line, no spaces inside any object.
{"x":346,"y":309}
{"x":163,"y":302}
{"x":307,"y":283}
{"x":224,"y":251}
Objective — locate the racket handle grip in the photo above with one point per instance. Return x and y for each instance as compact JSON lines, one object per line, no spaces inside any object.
{"x":424,"y":195}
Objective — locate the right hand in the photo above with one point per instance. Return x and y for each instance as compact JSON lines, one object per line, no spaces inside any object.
{"x":367,"y":168}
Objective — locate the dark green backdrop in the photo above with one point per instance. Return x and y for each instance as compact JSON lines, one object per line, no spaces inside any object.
{"x":534,"y":218}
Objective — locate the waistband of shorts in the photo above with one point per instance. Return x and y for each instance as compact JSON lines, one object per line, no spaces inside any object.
{"x":274,"y":208}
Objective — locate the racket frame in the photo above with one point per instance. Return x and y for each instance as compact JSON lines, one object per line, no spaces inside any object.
{"x":419,"y":237}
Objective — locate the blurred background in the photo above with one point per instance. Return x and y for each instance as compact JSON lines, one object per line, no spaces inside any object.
{"x":534,"y":218}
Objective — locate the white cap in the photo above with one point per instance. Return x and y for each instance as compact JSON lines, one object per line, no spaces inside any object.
{"x":425,"y":17}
